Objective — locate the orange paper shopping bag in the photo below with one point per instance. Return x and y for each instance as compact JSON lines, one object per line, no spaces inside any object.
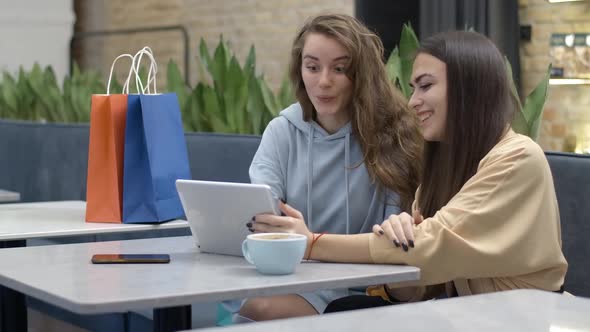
{"x":104,"y":190}
{"x":104,"y":185}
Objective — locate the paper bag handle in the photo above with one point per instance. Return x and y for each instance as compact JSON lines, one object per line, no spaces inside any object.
{"x":151,"y":73}
{"x":126,"y":85}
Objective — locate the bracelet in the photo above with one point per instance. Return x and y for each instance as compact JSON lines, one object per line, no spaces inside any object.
{"x":313,"y":241}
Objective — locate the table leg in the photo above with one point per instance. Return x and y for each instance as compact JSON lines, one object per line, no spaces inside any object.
{"x":172,"y":319}
{"x":13,"y":306}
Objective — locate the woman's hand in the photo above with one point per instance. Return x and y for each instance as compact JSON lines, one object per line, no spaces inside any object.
{"x":292,"y":222}
{"x":418,"y":218}
{"x":399,"y":229}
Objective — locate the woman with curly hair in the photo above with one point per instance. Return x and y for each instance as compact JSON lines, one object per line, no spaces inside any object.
{"x":347,"y":154}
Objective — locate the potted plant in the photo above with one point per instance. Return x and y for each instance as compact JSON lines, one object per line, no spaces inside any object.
{"x":238,"y":100}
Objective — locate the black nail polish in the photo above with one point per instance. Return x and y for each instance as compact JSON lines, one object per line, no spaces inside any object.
{"x":253,"y":218}
{"x":405,"y":246}
{"x":411,"y":243}
{"x":282,"y":200}
{"x":251,"y":229}
{"x":381,"y":232}
{"x":396,"y":243}
{"x":249,"y":225}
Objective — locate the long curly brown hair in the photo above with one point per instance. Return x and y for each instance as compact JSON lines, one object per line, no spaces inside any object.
{"x":387,"y":130}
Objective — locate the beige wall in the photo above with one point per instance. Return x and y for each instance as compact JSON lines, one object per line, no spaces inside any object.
{"x":567,"y":111}
{"x":35,"y":36}
{"x":268,"y":24}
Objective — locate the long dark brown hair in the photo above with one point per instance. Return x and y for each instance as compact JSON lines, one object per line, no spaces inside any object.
{"x":479,"y":108}
{"x":387,"y":130}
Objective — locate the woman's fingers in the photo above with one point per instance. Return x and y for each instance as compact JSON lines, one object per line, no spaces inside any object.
{"x":407,"y":223}
{"x":290,"y":211}
{"x":418,"y":218}
{"x":396,"y":225}
{"x":291,"y":222}
{"x":387,"y":227}
{"x":399,"y":229}
{"x":272,"y":223}
{"x":261,"y":227}
{"x":378,"y":230}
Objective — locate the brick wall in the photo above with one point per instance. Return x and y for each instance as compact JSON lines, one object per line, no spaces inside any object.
{"x":271,"y":24}
{"x":268,"y":24}
{"x":566,"y":119}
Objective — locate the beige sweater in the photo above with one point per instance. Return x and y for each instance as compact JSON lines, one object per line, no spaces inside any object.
{"x":500,"y":232}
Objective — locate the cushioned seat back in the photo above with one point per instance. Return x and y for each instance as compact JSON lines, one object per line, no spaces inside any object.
{"x":221,"y":157}
{"x":48,"y":162}
{"x":44,"y":162}
{"x":571,"y":174}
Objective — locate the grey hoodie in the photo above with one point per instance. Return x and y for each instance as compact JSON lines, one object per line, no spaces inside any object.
{"x":315,"y":172}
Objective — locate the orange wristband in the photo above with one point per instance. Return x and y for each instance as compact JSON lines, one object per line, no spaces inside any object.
{"x":313,"y":241}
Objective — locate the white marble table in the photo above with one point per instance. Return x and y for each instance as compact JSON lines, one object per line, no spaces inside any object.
{"x":20,"y":222}
{"x":63,"y":276}
{"x":9,"y":196}
{"x":512,"y":311}
{"x":23,"y":221}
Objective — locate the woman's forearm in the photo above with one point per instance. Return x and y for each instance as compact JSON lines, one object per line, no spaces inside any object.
{"x":340,"y":248}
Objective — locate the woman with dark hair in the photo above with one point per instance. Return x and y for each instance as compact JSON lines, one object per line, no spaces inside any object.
{"x":485,"y":217}
{"x":347,"y":154}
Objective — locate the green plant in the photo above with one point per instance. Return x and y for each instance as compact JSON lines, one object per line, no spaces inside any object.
{"x":401,"y":59}
{"x":527,"y":118}
{"x":37,"y":95}
{"x":77,"y":91}
{"x":238,"y":101}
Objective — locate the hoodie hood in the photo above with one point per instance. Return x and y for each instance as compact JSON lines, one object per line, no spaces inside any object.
{"x":294,"y":114}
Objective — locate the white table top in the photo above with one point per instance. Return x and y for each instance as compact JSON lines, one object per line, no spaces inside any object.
{"x":21,"y":221}
{"x":63,"y":275}
{"x":512,"y":311}
{"x":9,"y":196}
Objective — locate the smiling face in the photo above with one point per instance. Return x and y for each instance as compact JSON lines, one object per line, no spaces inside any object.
{"x":429,"y":99}
{"x":323,"y":69}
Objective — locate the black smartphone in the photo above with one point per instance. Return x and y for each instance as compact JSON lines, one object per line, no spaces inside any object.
{"x":130,"y":259}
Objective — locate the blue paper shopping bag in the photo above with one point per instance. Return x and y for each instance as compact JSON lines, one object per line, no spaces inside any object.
{"x":155,"y":157}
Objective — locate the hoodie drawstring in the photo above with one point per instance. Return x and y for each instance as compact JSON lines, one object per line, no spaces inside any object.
{"x":346,"y":169}
{"x":309,"y":175}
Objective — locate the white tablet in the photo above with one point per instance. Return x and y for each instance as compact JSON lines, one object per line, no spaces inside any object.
{"x":218,"y":212}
